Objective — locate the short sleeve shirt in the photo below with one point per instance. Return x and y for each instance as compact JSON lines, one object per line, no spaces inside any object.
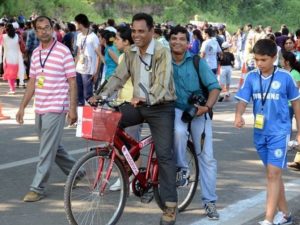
{"x":88,"y":45}
{"x":51,"y":82}
{"x":276,"y":112}
{"x":211,"y":48}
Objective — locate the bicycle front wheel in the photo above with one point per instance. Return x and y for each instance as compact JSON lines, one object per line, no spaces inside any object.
{"x":185,"y":194}
{"x":84,"y":201}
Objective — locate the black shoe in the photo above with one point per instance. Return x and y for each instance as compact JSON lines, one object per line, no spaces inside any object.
{"x":221,"y":98}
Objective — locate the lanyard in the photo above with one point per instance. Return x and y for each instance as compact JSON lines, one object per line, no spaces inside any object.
{"x":147,"y":67}
{"x":84,"y":41}
{"x":43,"y":63}
{"x":264,"y":98}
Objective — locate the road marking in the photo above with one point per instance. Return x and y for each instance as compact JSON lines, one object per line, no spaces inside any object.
{"x":34,"y":160}
{"x":248,"y":209}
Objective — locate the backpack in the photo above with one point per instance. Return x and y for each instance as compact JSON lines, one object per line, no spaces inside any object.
{"x":196,"y":60}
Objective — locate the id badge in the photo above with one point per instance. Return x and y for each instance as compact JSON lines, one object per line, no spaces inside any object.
{"x":41,"y":81}
{"x":259,"y":121}
{"x":81,"y":59}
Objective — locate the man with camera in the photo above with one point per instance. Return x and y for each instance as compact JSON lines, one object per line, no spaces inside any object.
{"x":193,"y":112}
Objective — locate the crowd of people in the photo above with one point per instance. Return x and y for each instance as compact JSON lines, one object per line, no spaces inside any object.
{"x":62,"y":64}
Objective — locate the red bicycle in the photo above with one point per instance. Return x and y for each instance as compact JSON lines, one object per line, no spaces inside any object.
{"x":88,"y":198}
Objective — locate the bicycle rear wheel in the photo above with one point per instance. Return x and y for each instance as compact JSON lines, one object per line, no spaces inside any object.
{"x":84,"y":204}
{"x":186,"y":193}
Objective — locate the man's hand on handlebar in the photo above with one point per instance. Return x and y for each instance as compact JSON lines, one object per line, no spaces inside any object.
{"x":92,"y":100}
{"x":137,"y":101}
{"x":95,"y":99}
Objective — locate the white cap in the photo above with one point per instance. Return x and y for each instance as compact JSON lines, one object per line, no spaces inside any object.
{"x":15,"y":25}
{"x":111,"y":29}
{"x":226,"y":45}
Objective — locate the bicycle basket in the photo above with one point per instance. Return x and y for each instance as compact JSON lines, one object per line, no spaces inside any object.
{"x":97,"y":124}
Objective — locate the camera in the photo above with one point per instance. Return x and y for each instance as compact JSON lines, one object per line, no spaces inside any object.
{"x":191,"y":111}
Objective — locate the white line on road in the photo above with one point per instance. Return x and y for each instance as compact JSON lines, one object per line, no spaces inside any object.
{"x":245,"y":210}
{"x":34,"y":159}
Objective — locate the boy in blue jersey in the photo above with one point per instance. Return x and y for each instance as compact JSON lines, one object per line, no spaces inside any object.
{"x":270,"y":89}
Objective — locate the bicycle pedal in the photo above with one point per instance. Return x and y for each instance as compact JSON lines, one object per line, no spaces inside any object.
{"x":147,"y":198}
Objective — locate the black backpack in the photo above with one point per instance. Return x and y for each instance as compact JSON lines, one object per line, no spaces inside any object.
{"x":196,"y":60}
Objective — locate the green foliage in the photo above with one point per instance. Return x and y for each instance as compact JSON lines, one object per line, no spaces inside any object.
{"x":232,"y":12}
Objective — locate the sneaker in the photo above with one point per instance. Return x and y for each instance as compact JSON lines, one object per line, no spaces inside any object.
{"x":294,"y":165}
{"x":277,"y":218}
{"x":32,"y":196}
{"x":265,"y":222}
{"x":74,"y":125}
{"x":182,"y":179}
{"x":211,"y":211}
{"x":117,"y":185}
{"x":282,"y":219}
{"x":11,"y":92}
{"x":169,"y":214}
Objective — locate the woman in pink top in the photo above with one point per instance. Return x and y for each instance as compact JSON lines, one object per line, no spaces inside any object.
{"x":12,"y":57}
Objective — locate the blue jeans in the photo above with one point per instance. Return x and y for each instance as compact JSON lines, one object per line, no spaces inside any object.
{"x":206,"y":161}
{"x":84,"y":87}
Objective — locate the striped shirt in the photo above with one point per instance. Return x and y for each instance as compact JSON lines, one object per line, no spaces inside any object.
{"x":51,"y":84}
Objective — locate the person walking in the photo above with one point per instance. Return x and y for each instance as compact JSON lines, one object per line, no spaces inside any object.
{"x":88,"y":58}
{"x":210,"y":50}
{"x":12,"y":58}
{"x":52,"y":79}
{"x":148,"y":63}
{"x":271,"y":89}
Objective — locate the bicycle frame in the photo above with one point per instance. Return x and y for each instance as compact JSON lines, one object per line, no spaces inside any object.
{"x":122,"y":139}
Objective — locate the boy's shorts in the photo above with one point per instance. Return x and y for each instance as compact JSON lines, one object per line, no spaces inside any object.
{"x":272,"y":149}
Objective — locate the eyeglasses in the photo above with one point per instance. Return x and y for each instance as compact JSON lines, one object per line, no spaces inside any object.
{"x":40,"y":29}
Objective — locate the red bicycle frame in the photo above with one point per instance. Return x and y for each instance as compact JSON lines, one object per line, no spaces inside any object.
{"x":121,"y":140}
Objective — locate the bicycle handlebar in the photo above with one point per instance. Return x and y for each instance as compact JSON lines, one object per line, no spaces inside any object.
{"x":101,"y":102}
{"x":110,"y":103}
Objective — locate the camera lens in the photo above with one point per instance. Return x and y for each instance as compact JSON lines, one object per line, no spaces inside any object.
{"x":189,"y":114}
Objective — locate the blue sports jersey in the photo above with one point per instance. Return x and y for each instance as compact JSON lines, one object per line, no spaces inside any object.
{"x":276,"y":109}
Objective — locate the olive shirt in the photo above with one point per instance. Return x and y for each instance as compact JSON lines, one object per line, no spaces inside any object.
{"x":161,"y":85}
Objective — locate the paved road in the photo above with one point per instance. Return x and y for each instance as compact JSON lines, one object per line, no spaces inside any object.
{"x":240,"y":184}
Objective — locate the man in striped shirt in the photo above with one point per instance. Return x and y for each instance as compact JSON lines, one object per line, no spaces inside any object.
{"x":53,"y":81}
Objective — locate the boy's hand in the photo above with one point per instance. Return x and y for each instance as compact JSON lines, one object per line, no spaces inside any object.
{"x":239,"y":122}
